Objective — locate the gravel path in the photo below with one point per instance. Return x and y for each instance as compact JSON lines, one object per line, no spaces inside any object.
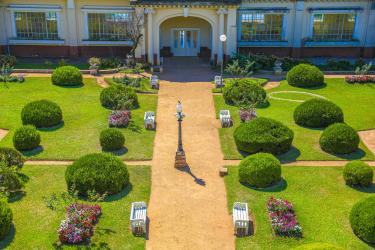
{"x":3,"y":133}
{"x":188,"y":209}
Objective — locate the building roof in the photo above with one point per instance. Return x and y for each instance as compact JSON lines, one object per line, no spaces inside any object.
{"x":186,"y":2}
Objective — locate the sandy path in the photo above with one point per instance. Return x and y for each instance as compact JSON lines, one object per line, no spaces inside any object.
{"x":368,"y":138}
{"x":3,"y":133}
{"x":188,"y":210}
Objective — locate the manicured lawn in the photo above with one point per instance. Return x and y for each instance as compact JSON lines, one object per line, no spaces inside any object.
{"x":83,"y":116}
{"x":357,"y":102}
{"x":322,"y":202}
{"x":36,"y":225}
{"x":144,"y":88}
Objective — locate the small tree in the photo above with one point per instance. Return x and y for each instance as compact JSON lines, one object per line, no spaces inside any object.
{"x":134,"y":29}
{"x":363,"y":70}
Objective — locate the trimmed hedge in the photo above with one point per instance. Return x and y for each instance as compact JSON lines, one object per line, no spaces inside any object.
{"x":362,"y":219}
{"x":318,"y":113}
{"x":11,"y":157}
{"x":240,"y":90}
{"x":118,"y":97}
{"x":358,"y":173}
{"x":41,"y":114}
{"x":26,"y":138}
{"x":67,"y":76}
{"x":318,"y":246}
{"x":339,"y":138}
{"x":112,"y":139}
{"x":259,"y":170}
{"x":263,"y":135}
{"x":305,"y":76}
{"x":104,"y":173}
{"x":6,"y":217}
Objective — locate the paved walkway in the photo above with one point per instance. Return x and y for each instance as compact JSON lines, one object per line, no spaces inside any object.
{"x":188,"y":209}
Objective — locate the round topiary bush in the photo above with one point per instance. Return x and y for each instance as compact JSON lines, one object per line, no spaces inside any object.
{"x":26,"y":138}
{"x":11,"y":157}
{"x":362,"y":219}
{"x":104,"y":173}
{"x":67,"y":76}
{"x":41,"y":114}
{"x":119,"y":97}
{"x":358,"y":173}
{"x":259,"y":170}
{"x":339,"y":138}
{"x":318,"y":246}
{"x":305,"y":76}
{"x":112,"y":139}
{"x":6,"y":217}
{"x":237,"y":91}
{"x":263,"y":135}
{"x":318,"y":113}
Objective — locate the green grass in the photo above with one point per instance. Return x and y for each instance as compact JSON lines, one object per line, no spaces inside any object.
{"x":83,"y":116}
{"x":26,"y":65}
{"x":322,"y":202}
{"x":357,"y":102}
{"x":36,"y":226}
{"x":144,"y":88}
{"x":260,"y":81}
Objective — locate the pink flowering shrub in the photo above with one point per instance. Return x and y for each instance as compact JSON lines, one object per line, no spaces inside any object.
{"x":247,"y":114}
{"x":283,"y":218}
{"x":360,"y":79}
{"x":79,"y":224}
{"x":119,"y":118}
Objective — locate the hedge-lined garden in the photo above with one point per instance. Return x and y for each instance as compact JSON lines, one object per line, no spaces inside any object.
{"x":69,"y":119}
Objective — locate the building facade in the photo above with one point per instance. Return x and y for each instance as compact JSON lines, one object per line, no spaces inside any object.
{"x":83,"y":28}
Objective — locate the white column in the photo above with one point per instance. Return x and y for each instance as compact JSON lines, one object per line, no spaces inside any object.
{"x":3,"y":38}
{"x":370,"y":31}
{"x":221,"y":13}
{"x":71,"y":27}
{"x":298,"y":27}
{"x":150,"y":35}
{"x":231,"y":32}
{"x":141,"y":48}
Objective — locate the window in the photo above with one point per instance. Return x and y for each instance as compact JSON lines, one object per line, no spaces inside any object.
{"x":36,"y":25}
{"x":256,"y":26}
{"x":108,"y":26}
{"x":333,"y":27}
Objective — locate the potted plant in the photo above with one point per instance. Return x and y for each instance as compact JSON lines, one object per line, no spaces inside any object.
{"x":94,"y":65}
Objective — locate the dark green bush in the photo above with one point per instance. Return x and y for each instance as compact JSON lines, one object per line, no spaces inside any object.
{"x":362,"y":219}
{"x":119,"y":97}
{"x":259,"y":170}
{"x":110,"y":63}
{"x":26,"y":138}
{"x":6,"y":217}
{"x":67,"y":76}
{"x":318,"y":246}
{"x":41,"y":114}
{"x":112,"y":139}
{"x":305,"y":76}
{"x":339,"y":138}
{"x":101,"y":172}
{"x":11,"y":157}
{"x":10,"y":182}
{"x":358,"y":173}
{"x":238,"y":91}
{"x":7,"y":61}
{"x":317,"y":113}
{"x":263,"y":135}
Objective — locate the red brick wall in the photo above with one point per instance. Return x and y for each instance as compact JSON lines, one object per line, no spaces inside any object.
{"x":312,"y":51}
{"x":67,"y":51}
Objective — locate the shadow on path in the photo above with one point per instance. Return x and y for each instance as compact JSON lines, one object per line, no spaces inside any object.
{"x":197,"y":180}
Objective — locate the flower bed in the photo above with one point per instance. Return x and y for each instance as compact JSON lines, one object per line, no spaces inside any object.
{"x":79,"y":224}
{"x":283,"y":218}
{"x":119,"y":118}
{"x":360,"y":79}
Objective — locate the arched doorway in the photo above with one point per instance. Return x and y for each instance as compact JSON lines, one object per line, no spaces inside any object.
{"x":185,"y":36}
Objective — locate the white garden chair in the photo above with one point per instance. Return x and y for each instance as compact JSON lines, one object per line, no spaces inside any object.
{"x":154,"y":81}
{"x":241,"y":219}
{"x":138,"y":217}
{"x":149,"y":120}
{"x":225,"y":118}
{"x":218,"y":82}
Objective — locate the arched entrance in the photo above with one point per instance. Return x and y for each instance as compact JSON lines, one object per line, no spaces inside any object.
{"x":185,"y":36}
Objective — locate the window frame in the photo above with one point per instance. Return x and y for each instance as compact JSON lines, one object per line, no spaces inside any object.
{"x":35,"y":9}
{"x":355,"y":35}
